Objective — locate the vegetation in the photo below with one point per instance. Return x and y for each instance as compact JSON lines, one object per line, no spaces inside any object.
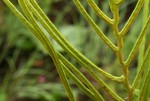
{"x":67,"y":59}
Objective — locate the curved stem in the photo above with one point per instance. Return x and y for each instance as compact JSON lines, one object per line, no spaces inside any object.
{"x":99,"y":12}
{"x":79,"y":75}
{"x":138,"y":42}
{"x":145,"y":88}
{"x":132,"y":18}
{"x":142,"y":46}
{"x":139,"y":74}
{"x":79,"y":83}
{"x":48,"y":46}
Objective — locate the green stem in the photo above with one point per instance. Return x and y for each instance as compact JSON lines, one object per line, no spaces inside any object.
{"x":80,"y":76}
{"x":99,"y":12}
{"x":48,"y":47}
{"x":79,"y":84}
{"x":142,"y":46}
{"x":137,"y":44}
{"x":115,"y":9}
{"x":132,"y":18}
{"x":141,"y":69}
{"x":144,"y":88}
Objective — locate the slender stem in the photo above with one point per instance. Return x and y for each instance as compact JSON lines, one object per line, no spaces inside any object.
{"x":79,"y":83}
{"x":144,"y":88}
{"x":142,"y":46}
{"x":137,"y":78}
{"x":99,"y":12}
{"x":49,"y":48}
{"x":137,"y":44}
{"x":132,"y":18}
{"x":141,"y":59}
{"x":79,"y":75}
{"x":115,"y":9}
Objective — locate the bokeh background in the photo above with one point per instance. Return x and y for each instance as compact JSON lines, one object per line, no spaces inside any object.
{"x":27,"y":72}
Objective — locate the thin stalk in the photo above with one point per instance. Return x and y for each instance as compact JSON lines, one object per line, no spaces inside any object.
{"x":132,"y":18}
{"x":115,"y":10}
{"x":99,"y":12}
{"x":80,"y":76}
{"x":138,"y":42}
{"x":141,"y":69}
{"x":49,"y":48}
{"x":142,"y":46}
{"x":144,"y":88}
{"x":48,"y":25}
{"x":79,"y":83}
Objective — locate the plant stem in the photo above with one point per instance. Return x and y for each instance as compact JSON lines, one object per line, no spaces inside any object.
{"x":99,"y":12}
{"x":142,"y":46}
{"x":81,"y":77}
{"x":115,"y":9}
{"x":79,"y":83}
{"x":132,"y":18}
{"x":143,"y":69}
{"x":138,"y":42}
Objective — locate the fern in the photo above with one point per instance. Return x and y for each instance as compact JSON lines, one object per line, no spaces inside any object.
{"x":137,"y":91}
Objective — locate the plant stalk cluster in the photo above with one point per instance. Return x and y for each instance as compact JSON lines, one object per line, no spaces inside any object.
{"x":33,"y":15}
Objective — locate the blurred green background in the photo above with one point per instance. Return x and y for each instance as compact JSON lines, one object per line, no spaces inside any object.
{"x":27,"y":72}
